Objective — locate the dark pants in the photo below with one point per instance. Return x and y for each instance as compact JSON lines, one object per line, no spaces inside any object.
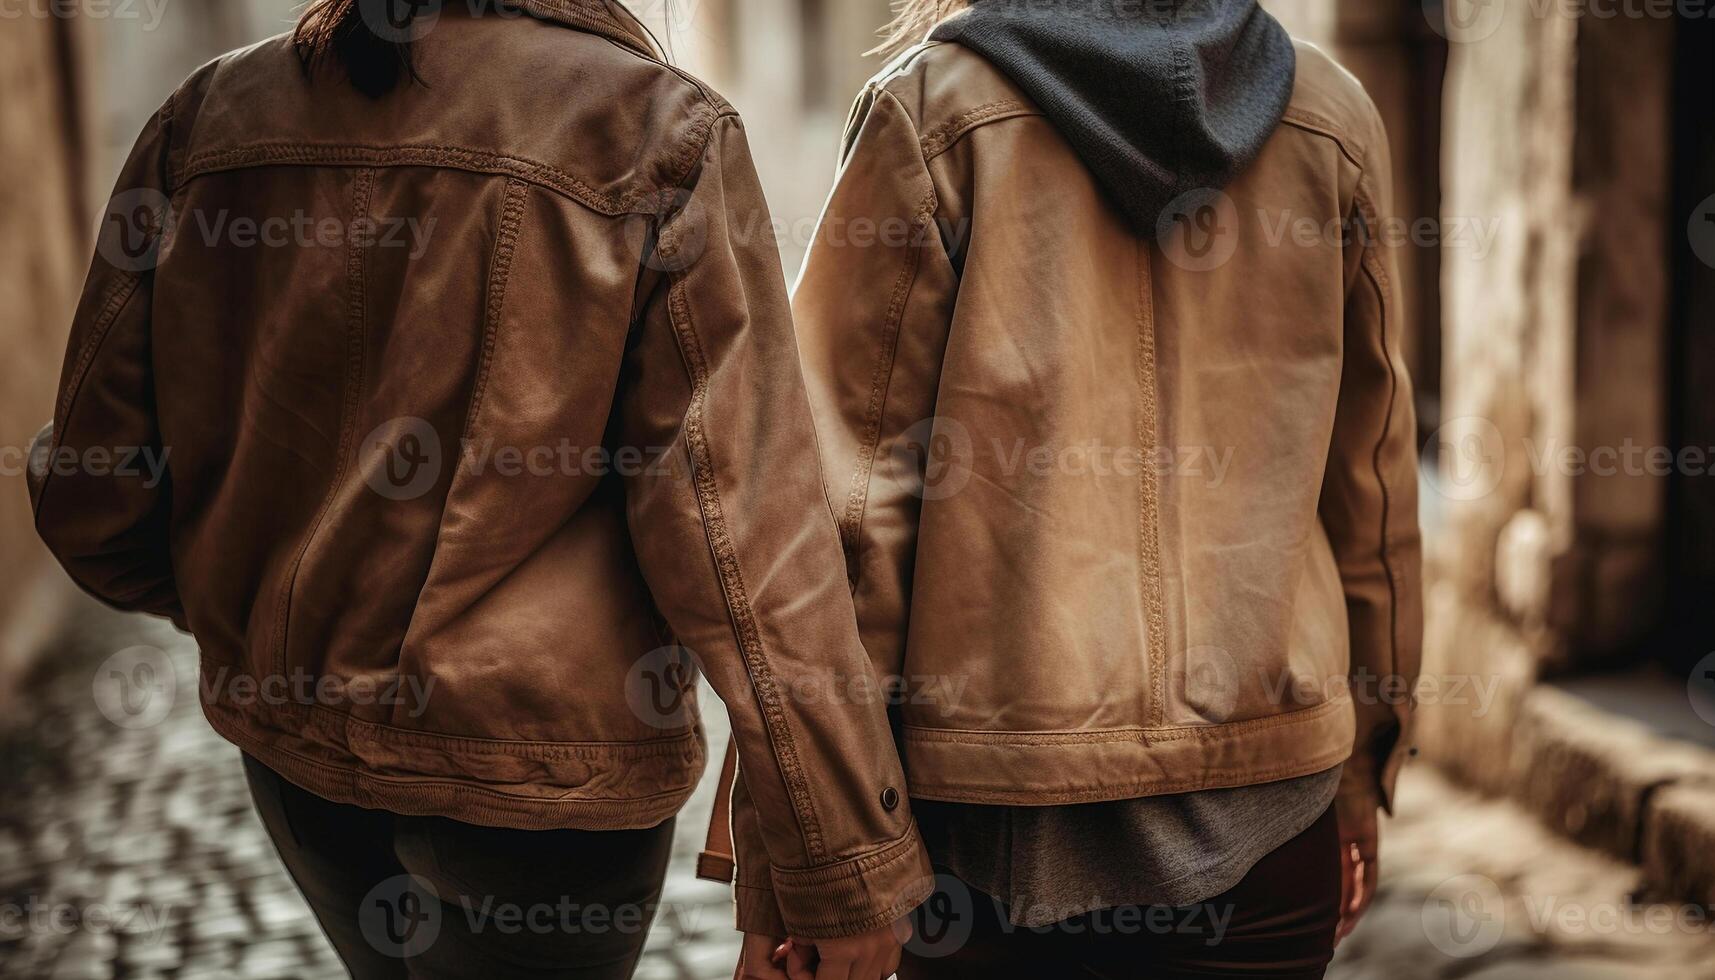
{"x":427,"y":897}
{"x":1277,"y":922}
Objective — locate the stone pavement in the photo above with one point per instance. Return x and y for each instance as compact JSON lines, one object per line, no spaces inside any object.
{"x":128,"y":849}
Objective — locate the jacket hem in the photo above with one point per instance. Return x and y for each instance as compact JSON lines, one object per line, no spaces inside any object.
{"x":1040,"y":768}
{"x":344,"y":780}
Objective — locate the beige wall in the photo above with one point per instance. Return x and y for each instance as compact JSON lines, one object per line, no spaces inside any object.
{"x":40,"y":236}
{"x":76,"y":93}
{"x":759,"y":54}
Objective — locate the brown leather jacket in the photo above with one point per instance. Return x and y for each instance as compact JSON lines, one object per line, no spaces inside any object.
{"x":1128,"y":516}
{"x":476,"y":399}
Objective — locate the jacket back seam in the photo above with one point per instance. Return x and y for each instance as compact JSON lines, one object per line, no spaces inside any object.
{"x":356,"y":265}
{"x":512,"y":208}
{"x":1149,"y":491}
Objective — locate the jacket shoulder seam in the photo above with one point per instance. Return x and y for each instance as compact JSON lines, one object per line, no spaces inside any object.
{"x":681,"y":161}
{"x":1315,"y":123}
{"x":943,"y":137}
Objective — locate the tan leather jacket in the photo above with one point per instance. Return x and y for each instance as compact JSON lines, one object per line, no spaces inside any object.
{"x":1127,"y":516}
{"x":474,"y":400}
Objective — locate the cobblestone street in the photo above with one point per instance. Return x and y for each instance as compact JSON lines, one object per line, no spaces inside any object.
{"x":130,"y":849}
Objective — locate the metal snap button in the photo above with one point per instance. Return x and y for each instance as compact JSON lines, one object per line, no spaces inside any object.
{"x":890,"y":798}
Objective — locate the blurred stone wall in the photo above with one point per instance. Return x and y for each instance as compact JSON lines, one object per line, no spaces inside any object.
{"x":76,"y":91}
{"x":42,"y":213}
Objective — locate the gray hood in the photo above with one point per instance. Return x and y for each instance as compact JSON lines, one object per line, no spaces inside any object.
{"x":1159,"y":97}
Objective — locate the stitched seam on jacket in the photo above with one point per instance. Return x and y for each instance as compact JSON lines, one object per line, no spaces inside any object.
{"x":118,"y":297}
{"x":1100,"y":792}
{"x":499,"y":272}
{"x":257,"y":746}
{"x":175,"y":152}
{"x":880,"y":381}
{"x":323,"y":718}
{"x":745,"y":629}
{"x":599,"y":20}
{"x":636,"y":201}
{"x":1149,"y":494}
{"x":1312,"y":122}
{"x":1378,"y":275}
{"x":363,"y":186}
{"x":892,"y":852}
{"x":1148,"y":736}
{"x":942,"y":137}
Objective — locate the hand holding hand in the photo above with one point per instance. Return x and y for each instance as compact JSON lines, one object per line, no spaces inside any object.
{"x":761,"y":958}
{"x":871,"y":956}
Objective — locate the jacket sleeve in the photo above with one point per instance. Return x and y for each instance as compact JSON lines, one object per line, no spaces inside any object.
{"x":874,"y":307}
{"x":98,"y":480}
{"x":1369,"y":497}
{"x":741,"y":554}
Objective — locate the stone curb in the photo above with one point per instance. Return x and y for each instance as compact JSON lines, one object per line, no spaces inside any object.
{"x":1609,"y":783}
{"x":1679,"y":842}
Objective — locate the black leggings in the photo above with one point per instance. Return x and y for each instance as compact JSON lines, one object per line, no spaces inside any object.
{"x":427,"y":897}
{"x":1277,"y":922}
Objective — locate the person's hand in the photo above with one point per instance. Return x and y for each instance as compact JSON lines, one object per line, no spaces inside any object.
{"x":871,"y":956}
{"x":1359,"y":841}
{"x":761,"y":958}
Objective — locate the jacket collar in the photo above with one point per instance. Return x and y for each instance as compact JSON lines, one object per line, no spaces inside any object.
{"x":608,"y":18}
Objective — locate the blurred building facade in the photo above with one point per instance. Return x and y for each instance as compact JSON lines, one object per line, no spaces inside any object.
{"x":1569,"y":509}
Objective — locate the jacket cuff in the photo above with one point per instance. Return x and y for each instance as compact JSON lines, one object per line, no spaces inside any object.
{"x":1373,"y":770}
{"x":856,"y":895}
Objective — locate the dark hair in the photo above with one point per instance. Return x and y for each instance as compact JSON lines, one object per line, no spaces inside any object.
{"x":339,"y":29}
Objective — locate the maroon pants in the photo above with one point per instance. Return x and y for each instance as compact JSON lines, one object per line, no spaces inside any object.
{"x":1277,"y":922}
